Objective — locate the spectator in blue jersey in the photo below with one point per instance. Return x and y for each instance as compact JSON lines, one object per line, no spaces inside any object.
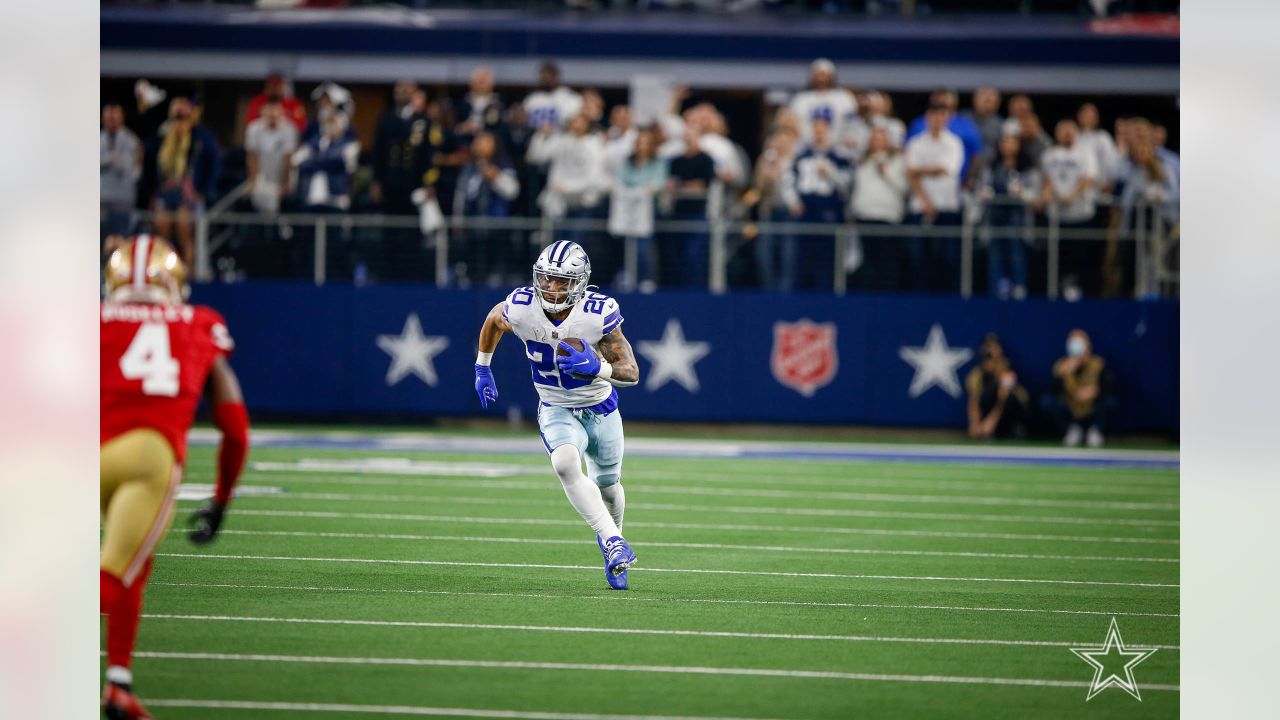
{"x":934,"y":162}
{"x":816,"y":190}
{"x":325,"y":166}
{"x":486,"y":188}
{"x":961,"y":126}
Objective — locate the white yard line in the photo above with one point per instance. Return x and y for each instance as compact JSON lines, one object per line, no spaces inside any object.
{"x":749,"y":476}
{"x":698,"y":546}
{"x":633,"y":631}
{"x":624,"y":597}
{"x":735,"y":509}
{"x":596,"y":668}
{"x":361,"y":481}
{"x":409,"y":710}
{"x":395,"y":517}
{"x":547,"y":566}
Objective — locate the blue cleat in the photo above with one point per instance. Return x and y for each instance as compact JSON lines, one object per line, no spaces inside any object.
{"x":617,"y":558}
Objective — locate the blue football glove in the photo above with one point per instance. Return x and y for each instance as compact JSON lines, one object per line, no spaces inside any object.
{"x":583,"y":364}
{"x":486,"y":388}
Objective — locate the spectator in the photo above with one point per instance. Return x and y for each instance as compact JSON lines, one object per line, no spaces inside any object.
{"x":325,"y":165}
{"x":961,"y":126}
{"x":269,"y":143}
{"x":775,"y":250}
{"x":998,"y":405}
{"x":1007,"y":185}
{"x":1032,"y":137}
{"x":329,"y":98}
{"x":816,"y":190}
{"x":879,"y":193}
{"x":447,"y":154}
{"x":487,"y":186}
{"x":1150,"y":181}
{"x":882,"y":116}
{"x":985,"y":115}
{"x":119,"y":168}
{"x":857,"y":132}
{"x":1070,"y":176}
{"x":482,"y":109}
{"x":1159,"y":136}
{"x":824,"y":101}
{"x":276,"y":89}
{"x":552,"y":103}
{"x":934,"y":161}
{"x":593,"y":109}
{"x":619,"y":139}
{"x":576,"y":181}
{"x":638,"y":180}
{"x":182,"y":164}
{"x":399,"y":161}
{"x":1020,"y":107}
{"x":1081,"y":397}
{"x":685,"y":253}
{"x":1098,"y":143}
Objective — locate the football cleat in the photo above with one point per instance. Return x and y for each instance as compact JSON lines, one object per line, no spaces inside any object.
{"x":120,"y":704}
{"x":617,"y":555}
{"x":617,"y":582}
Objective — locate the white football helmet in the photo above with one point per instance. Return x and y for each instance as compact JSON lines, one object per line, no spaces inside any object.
{"x":560,"y":275}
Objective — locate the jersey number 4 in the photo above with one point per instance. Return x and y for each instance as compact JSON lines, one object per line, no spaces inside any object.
{"x":149,"y":359}
{"x":542,"y":360}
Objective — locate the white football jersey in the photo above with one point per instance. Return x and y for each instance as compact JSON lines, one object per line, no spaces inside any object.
{"x":836,"y":105}
{"x":556,"y":107}
{"x":593,"y":317}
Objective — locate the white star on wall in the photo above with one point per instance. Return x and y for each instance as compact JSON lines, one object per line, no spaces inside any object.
{"x":412,"y":352}
{"x":673,"y":358}
{"x":935,"y":364}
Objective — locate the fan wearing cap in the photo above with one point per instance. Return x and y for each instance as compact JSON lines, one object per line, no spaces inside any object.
{"x":824,"y":101}
{"x":159,"y":356}
{"x":277,"y":89}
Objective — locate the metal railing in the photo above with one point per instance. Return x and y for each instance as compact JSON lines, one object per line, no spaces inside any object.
{"x":435,"y":256}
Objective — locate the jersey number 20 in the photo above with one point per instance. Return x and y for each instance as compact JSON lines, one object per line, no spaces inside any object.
{"x":542,"y":360}
{"x":148,"y":359}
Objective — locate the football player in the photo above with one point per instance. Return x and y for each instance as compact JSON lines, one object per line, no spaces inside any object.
{"x":578,"y":410}
{"x":158,"y":356}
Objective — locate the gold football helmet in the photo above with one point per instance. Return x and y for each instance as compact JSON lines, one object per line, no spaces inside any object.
{"x":145,"y":268}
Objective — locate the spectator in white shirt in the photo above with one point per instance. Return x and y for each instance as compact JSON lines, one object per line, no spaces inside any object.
{"x":1098,"y":142}
{"x":934,"y":159}
{"x":879,"y":195}
{"x":823,"y":100}
{"x":552,"y":103}
{"x":576,"y":179}
{"x":1070,"y":179}
{"x":120,"y":167}
{"x":269,"y":142}
{"x":619,"y":139}
{"x":882,"y":116}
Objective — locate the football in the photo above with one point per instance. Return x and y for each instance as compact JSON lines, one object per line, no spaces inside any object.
{"x":572,"y":342}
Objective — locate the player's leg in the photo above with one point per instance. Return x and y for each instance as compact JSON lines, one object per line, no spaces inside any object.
{"x":565,"y":440}
{"x":604,"y":462}
{"x":141,"y":475}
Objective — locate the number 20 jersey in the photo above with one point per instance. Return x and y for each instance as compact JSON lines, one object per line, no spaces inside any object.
{"x":155,"y":361}
{"x":593,"y":317}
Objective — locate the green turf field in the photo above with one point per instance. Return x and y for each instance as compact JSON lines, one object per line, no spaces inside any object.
{"x":465,"y":585}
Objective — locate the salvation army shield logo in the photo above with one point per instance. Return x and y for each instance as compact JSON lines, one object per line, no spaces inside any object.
{"x":804,"y":355}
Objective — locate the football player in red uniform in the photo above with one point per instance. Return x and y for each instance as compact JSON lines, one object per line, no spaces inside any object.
{"x":159,"y":355}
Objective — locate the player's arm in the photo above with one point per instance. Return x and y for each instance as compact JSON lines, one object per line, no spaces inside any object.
{"x":619,"y":359}
{"x":495,"y":326}
{"x":222,"y":391}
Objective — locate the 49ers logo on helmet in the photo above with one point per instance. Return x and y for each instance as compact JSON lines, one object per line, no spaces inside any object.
{"x":804,"y":355}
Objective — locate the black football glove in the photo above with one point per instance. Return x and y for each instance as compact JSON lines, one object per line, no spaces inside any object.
{"x":205,"y":523}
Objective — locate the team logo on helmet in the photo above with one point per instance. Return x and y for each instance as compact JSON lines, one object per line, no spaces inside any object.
{"x":804,"y":355}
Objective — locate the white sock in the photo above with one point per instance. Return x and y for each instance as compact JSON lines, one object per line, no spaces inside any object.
{"x":583,"y":494}
{"x":615,"y":498}
{"x":119,"y":675}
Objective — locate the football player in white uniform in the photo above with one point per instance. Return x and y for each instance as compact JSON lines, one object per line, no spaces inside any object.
{"x":578,"y":398}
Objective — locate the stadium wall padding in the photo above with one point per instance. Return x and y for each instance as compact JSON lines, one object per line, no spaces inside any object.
{"x":302,"y":349}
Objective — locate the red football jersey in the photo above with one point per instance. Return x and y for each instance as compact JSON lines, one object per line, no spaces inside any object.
{"x":155,"y":361}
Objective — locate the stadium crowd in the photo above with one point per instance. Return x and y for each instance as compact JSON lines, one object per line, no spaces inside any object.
{"x":836,"y":164}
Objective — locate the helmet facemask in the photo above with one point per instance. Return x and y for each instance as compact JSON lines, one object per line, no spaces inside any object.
{"x":558,"y":291}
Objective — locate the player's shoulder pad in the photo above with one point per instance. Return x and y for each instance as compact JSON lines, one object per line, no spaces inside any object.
{"x":611,"y":316}
{"x":207,"y":317}
{"x":519,"y":298}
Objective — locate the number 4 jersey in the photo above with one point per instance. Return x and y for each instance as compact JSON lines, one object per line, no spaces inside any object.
{"x":155,"y":361}
{"x":591,"y":319}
